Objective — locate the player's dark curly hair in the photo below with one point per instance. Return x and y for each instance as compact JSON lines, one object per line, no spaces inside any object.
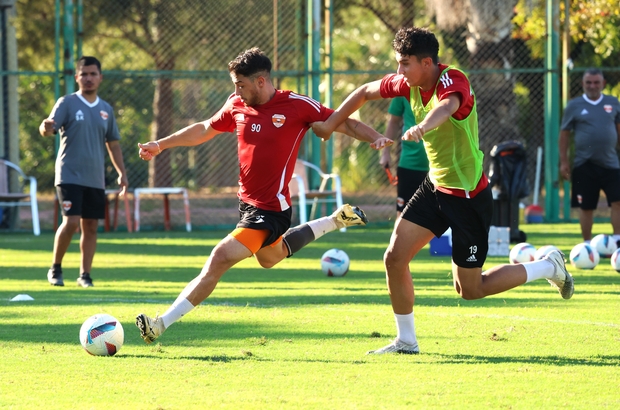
{"x":416,"y":41}
{"x":250,"y":62}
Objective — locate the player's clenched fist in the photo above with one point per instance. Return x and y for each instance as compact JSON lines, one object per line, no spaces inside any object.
{"x":149,"y":150}
{"x":414,"y":133}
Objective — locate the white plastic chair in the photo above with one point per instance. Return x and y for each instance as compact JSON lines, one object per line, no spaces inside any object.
{"x":9,"y":199}
{"x":300,"y":191}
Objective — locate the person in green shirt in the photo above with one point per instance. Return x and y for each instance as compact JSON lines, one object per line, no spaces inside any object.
{"x":456,"y":193}
{"x":413,"y":163}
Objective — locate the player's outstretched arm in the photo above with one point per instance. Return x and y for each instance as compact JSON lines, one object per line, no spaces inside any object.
{"x":189,"y":136}
{"x":363,"y":132}
{"x":355,"y":100}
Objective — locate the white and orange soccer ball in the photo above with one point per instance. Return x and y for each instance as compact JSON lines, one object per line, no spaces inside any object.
{"x":604,"y":245}
{"x":522,"y":252}
{"x":335,"y":262}
{"x":102,"y":335}
{"x":584,"y":256}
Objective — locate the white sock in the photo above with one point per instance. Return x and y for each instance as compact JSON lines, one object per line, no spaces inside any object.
{"x":322,"y":226}
{"x":587,"y":241}
{"x":175,"y":312}
{"x":405,"y":328}
{"x":538,"y":270}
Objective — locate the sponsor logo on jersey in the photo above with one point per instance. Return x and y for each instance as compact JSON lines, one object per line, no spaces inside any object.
{"x":66,"y":205}
{"x":79,"y":116}
{"x":103,"y":114}
{"x":259,"y":219}
{"x":278,"y":120}
{"x":446,"y":81}
{"x":608,"y":108}
{"x":584,"y":112}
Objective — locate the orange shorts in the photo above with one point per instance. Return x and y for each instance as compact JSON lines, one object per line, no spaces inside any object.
{"x":253,"y":239}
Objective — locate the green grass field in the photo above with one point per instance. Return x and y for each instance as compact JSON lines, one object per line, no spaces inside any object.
{"x":293,"y":338}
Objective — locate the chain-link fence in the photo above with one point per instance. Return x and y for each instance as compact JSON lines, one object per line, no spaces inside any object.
{"x":164,"y":65}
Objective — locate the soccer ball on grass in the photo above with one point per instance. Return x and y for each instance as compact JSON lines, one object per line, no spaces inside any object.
{"x":604,"y":245}
{"x":335,"y":262}
{"x":522,"y":252}
{"x":543,"y":251}
{"x":102,"y":335}
{"x":584,"y":256}
{"x":615,"y":260}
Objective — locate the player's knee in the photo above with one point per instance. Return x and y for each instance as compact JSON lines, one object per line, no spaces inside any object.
{"x":469,"y":293}
{"x":389,"y":258}
{"x":267,"y":264}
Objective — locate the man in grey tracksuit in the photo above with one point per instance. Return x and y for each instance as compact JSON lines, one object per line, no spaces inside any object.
{"x":87,"y":127}
{"x":594,"y":120}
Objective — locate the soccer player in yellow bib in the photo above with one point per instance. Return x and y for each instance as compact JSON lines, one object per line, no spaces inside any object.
{"x":456,"y":192}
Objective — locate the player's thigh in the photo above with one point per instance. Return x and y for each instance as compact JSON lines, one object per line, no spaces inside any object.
{"x":586,"y":187}
{"x":407,"y":239}
{"x":227,"y":253}
{"x":466,"y":278}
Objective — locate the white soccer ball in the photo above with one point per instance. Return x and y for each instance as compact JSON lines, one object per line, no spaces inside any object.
{"x":335,"y":262}
{"x":615,"y":260}
{"x":604,"y":245}
{"x":543,"y":251}
{"x":102,"y":335}
{"x":522,"y":252}
{"x":584,"y":256}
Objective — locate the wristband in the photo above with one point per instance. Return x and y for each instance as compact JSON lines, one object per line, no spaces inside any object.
{"x":158,"y":147}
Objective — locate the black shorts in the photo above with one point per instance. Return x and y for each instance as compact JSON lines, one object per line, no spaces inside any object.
{"x":587,"y":181}
{"x":79,"y":200}
{"x":408,"y":182}
{"x":254,"y":218}
{"x":469,"y":219}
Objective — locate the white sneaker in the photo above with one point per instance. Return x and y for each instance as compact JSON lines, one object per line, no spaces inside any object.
{"x":348,"y":215}
{"x":150,"y":329}
{"x":562,"y":280}
{"x":397,"y":347}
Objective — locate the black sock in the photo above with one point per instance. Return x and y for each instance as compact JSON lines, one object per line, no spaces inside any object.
{"x":84,"y":274}
{"x":56,"y":267}
{"x":298,"y":237}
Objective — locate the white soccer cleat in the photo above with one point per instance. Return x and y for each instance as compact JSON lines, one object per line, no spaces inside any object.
{"x":397,"y":347}
{"x":348,"y":215}
{"x":562,"y":280}
{"x":150,"y":329}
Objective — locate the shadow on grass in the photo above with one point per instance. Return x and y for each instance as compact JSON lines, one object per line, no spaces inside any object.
{"x":599,"y":360}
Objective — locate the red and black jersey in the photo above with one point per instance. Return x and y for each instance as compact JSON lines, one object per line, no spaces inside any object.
{"x":394,"y":85}
{"x":269,"y":136}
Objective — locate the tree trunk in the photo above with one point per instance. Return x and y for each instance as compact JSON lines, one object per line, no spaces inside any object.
{"x":160,"y":170}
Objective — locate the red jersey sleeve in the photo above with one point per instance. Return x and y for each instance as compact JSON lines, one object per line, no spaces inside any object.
{"x":224,"y":120}
{"x":309,"y":109}
{"x":455,"y":82}
{"x":394,"y":85}
{"x":451,"y":82}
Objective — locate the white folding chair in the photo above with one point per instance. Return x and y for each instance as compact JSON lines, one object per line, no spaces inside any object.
{"x":301,"y":193}
{"x":12,"y":183}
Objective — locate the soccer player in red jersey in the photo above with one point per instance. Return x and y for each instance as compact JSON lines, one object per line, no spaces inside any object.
{"x":270,"y":125}
{"x":455,"y":193}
